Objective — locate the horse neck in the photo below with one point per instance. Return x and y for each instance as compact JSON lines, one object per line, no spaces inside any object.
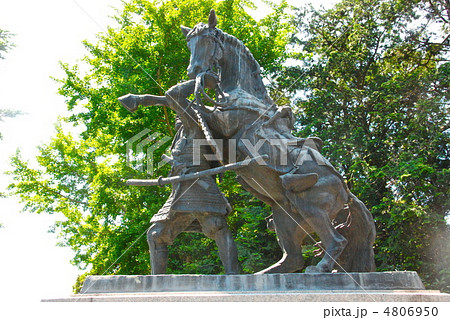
{"x":239,"y":70}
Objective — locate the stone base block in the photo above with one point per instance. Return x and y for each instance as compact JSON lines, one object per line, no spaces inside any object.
{"x":253,"y":282}
{"x":333,"y":287}
{"x":293,"y":296}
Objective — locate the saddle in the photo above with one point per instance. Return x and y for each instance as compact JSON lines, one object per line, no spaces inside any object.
{"x":313,"y":142}
{"x":299,"y":182}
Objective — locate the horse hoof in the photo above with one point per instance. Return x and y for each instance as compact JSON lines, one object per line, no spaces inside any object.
{"x":314,"y":269}
{"x":271,"y":269}
{"x":129,"y":101}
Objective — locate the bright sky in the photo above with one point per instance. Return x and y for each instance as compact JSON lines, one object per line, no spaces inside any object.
{"x":47,"y":31}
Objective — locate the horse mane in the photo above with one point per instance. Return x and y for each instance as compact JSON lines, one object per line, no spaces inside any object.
{"x":255,"y":67}
{"x":225,"y":37}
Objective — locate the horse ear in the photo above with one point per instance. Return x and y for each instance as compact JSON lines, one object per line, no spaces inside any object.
{"x":212,"y":19}
{"x":185,"y":30}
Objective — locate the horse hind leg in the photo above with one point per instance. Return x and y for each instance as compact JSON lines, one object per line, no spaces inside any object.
{"x":290,"y":236}
{"x":358,"y":255}
{"x":333,"y":242}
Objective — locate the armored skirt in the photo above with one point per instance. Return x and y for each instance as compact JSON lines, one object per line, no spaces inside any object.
{"x":193,"y":196}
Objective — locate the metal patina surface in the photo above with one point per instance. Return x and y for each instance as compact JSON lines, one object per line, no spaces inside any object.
{"x":305,"y":191}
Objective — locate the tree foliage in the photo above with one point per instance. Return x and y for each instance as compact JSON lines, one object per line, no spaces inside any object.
{"x":5,"y":42}
{"x":374,"y":80}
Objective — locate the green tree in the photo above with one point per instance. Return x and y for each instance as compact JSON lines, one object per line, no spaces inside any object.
{"x":372,"y":80}
{"x":82,"y":178}
{"x":5,"y":42}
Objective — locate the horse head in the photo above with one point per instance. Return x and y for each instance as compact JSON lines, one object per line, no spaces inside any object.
{"x":215,"y":51}
{"x":205,"y":46}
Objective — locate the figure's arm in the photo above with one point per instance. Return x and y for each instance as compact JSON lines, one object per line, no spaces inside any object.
{"x":177,"y":95}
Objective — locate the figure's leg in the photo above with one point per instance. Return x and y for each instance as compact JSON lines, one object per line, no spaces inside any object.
{"x":160,"y":235}
{"x":290,"y":235}
{"x":158,"y":247}
{"x":215,"y":227}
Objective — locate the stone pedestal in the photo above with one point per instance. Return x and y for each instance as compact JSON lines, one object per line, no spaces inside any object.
{"x":335,"y":287}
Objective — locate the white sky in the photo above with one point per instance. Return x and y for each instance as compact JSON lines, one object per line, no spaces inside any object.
{"x":47,"y":31}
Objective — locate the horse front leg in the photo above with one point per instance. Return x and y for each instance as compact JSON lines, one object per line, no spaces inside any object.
{"x":131,"y":102}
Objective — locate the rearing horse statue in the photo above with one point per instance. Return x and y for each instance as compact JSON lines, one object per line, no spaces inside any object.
{"x":305,"y":191}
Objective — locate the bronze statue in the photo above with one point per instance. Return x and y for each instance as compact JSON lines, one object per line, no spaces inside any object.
{"x":305,"y":191}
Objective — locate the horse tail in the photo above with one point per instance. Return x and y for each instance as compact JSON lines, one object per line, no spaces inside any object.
{"x":359,"y":230}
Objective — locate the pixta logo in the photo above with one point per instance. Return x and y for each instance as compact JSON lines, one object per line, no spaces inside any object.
{"x":141,"y":148}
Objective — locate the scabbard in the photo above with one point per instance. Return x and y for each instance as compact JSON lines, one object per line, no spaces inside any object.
{"x":195,"y":175}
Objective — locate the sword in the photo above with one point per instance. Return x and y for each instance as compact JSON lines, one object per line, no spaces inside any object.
{"x":196,"y":175}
